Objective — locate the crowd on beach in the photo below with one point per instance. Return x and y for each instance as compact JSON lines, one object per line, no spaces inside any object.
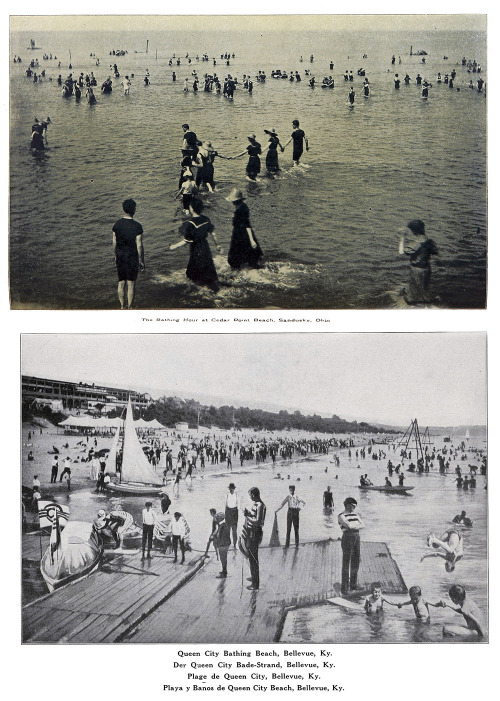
{"x":237,"y":521}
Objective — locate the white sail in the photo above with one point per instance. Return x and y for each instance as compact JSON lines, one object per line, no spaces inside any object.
{"x":111,"y":461}
{"x":467,"y":435}
{"x":135,"y":465}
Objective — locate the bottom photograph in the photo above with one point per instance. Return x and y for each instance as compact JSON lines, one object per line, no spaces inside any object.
{"x":254,"y":488}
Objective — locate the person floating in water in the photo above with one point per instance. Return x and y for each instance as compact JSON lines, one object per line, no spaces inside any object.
{"x":451,"y":546}
{"x":419,"y":252}
{"x":299,"y":139}
{"x":420,"y":605}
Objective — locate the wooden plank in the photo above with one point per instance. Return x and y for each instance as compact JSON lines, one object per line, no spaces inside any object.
{"x":108,"y":607}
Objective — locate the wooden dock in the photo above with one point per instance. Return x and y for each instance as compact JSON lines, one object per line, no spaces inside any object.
{"x":125,"y":602}
{"x":211,"y":610}
{"x":104,"y":606}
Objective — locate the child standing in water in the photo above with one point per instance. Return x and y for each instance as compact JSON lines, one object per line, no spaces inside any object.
{"x":420,"y":605}
{"x":469,"y":610}
{"x":375,"y":602}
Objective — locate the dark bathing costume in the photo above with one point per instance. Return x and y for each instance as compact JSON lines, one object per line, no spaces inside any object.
{"x":127,"y":257}
{"x":298,"y":136}
{"x":240,"y":250}
{"x":200,"y":268}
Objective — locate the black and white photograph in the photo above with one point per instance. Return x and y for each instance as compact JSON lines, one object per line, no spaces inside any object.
{"x":292,"y":488}
{"x":248,"y":161}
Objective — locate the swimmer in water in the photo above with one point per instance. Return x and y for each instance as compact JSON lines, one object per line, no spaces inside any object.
{"x":253,"y":150}
{"x":451,"y":545}
{"x":420,"y":605}
{"x":375,"y":602}
{"x":299,"y":139}
{"x":469,"y":610}
{"x":419,"y":252}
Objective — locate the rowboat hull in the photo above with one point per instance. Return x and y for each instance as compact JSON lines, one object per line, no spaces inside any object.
{"x":396,"y":489}
{"x":78,"y":555}
{"x":134,"y":489}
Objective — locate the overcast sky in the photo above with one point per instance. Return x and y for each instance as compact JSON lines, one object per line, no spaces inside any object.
{"x":258,"y":21}
{"x":438,"y":378}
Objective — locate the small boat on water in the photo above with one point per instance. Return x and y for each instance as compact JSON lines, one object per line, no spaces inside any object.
{"x":395,"y":489}
{"x":74,"y":554}
{"x":136,"y":477}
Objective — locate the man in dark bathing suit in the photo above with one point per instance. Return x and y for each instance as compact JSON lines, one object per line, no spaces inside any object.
{"x":298,"y":137}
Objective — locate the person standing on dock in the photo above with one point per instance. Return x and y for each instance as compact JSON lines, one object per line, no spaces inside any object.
{"x":253,"y":530}
{"x":350,"y":523}
{"x":221,"y":538}
{"x":231,"y":510}
{"x":148,"y":524}
{"x":178,"y":535}
{"x":292,"y":517}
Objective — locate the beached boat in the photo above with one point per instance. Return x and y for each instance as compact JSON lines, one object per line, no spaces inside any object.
{"x":395,"y":489}
{"x":76,"y":553}
{"x":136,"y":477}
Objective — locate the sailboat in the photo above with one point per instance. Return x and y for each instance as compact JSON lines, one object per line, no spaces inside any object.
{"x":32,"y":46}
{"x":137,"y":477}
{"x":467,"y":435}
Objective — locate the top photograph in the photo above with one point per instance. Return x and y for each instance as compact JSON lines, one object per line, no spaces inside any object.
{"x":248,"y":162}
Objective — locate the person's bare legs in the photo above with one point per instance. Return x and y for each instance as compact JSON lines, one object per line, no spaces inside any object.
{"x":130,"y":293}
{"x":121,"y":293}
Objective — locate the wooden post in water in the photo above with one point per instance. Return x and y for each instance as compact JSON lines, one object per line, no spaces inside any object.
{"x":411,"y":50}
{"x":147,"y":45}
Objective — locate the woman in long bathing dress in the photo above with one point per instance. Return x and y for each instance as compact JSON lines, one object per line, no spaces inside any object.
{"x":244,"y":248}
{"x":195,"y":230}
{"x":272,"y":164}
{"x":253,"y":150}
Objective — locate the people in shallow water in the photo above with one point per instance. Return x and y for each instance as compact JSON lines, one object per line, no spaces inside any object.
{"x":419,"y":251}
{"x":253,"y":150}
{"x":272,"y":164}
{"x":195,"y":230}
{"x":244,"y":249}
{"x":129,"y":252}
{"x":299,"y":139}
{"x":474,"y":627}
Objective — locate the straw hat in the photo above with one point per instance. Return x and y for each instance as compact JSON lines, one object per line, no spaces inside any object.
{"x":271,"y":132}
{"x":235,"y":195}
{"x":252,"y":137}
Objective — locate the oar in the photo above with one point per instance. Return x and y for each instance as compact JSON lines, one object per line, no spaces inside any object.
{"x":107,"y":570}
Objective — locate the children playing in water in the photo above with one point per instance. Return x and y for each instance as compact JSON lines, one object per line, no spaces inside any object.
{"x":469,"y":610}
{"x":420,"y":605}
{"x":451,"y":545}
{"x":375,"y":602}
